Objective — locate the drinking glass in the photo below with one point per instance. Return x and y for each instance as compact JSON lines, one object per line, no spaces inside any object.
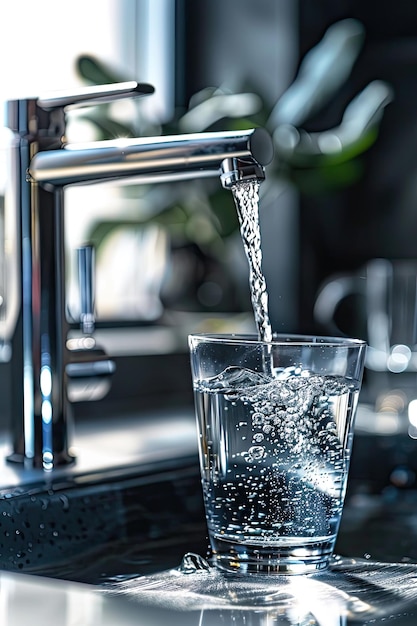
{"x":275,"y":426}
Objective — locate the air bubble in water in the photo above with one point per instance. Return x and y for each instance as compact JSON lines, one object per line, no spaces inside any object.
{"x":258,"y":419}
{"x":258,"y":437}
{"x":257,"y":452}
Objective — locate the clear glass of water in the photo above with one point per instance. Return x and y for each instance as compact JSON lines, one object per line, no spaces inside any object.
{"x":275,"y":425}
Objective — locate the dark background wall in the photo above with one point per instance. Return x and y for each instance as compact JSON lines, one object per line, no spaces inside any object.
{"x":376,"y":216}
{"x":236,"y":42}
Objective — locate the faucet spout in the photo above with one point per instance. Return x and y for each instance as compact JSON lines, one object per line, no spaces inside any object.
{"x":156,"y":159}
{"x":42,"y":360}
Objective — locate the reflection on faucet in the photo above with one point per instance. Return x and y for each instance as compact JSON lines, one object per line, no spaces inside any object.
{"x":42,"y":361}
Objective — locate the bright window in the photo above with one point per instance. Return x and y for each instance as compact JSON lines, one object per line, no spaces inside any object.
{"x":39,"y":42}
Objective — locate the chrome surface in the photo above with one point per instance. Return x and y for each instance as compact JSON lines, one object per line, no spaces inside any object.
{"x":43,"y":165}
{"x":153,"y":158}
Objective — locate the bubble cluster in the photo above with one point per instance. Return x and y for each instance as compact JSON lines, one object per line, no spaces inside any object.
{"x":294,"y":413}
{"x":277,"y":466}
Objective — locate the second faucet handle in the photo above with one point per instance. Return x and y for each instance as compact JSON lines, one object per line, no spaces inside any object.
{"x":86,"y":279}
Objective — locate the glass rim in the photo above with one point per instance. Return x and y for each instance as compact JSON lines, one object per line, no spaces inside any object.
{"x":279,"y":339}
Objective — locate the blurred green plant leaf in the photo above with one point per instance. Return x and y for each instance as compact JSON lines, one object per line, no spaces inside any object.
{"x":93,"y":71}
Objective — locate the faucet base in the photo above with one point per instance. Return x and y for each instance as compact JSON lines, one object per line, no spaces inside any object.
{"x":60,"y":460}
{"x":124,"y":442}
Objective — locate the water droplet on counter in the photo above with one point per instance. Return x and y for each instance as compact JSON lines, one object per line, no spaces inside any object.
{"x":192,"y":563}
{"x":65,"y":502}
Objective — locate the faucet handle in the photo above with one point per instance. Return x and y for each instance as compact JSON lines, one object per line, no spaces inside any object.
{"x":97,"y":94}
{"x":86,"y":283}
{"x":44,"y":117}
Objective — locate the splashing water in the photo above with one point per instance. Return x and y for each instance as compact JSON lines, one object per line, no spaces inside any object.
{"x":246,"y":197}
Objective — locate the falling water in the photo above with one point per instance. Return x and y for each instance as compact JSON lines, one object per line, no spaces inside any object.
{"x":246,"y":196}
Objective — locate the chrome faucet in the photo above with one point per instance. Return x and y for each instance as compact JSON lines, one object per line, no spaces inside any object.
{"x":43,"y":166}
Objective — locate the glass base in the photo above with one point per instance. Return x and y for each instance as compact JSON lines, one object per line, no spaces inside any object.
{"x":305,"y":557}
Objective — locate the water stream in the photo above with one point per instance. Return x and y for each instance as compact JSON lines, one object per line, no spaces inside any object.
{"x":246,"y":196}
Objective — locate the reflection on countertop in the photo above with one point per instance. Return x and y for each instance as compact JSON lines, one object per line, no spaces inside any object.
{"x":350,"y":591}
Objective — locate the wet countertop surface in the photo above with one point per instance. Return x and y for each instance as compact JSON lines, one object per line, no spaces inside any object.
{"x":131,"y":548}
{"x":152,"y":568}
